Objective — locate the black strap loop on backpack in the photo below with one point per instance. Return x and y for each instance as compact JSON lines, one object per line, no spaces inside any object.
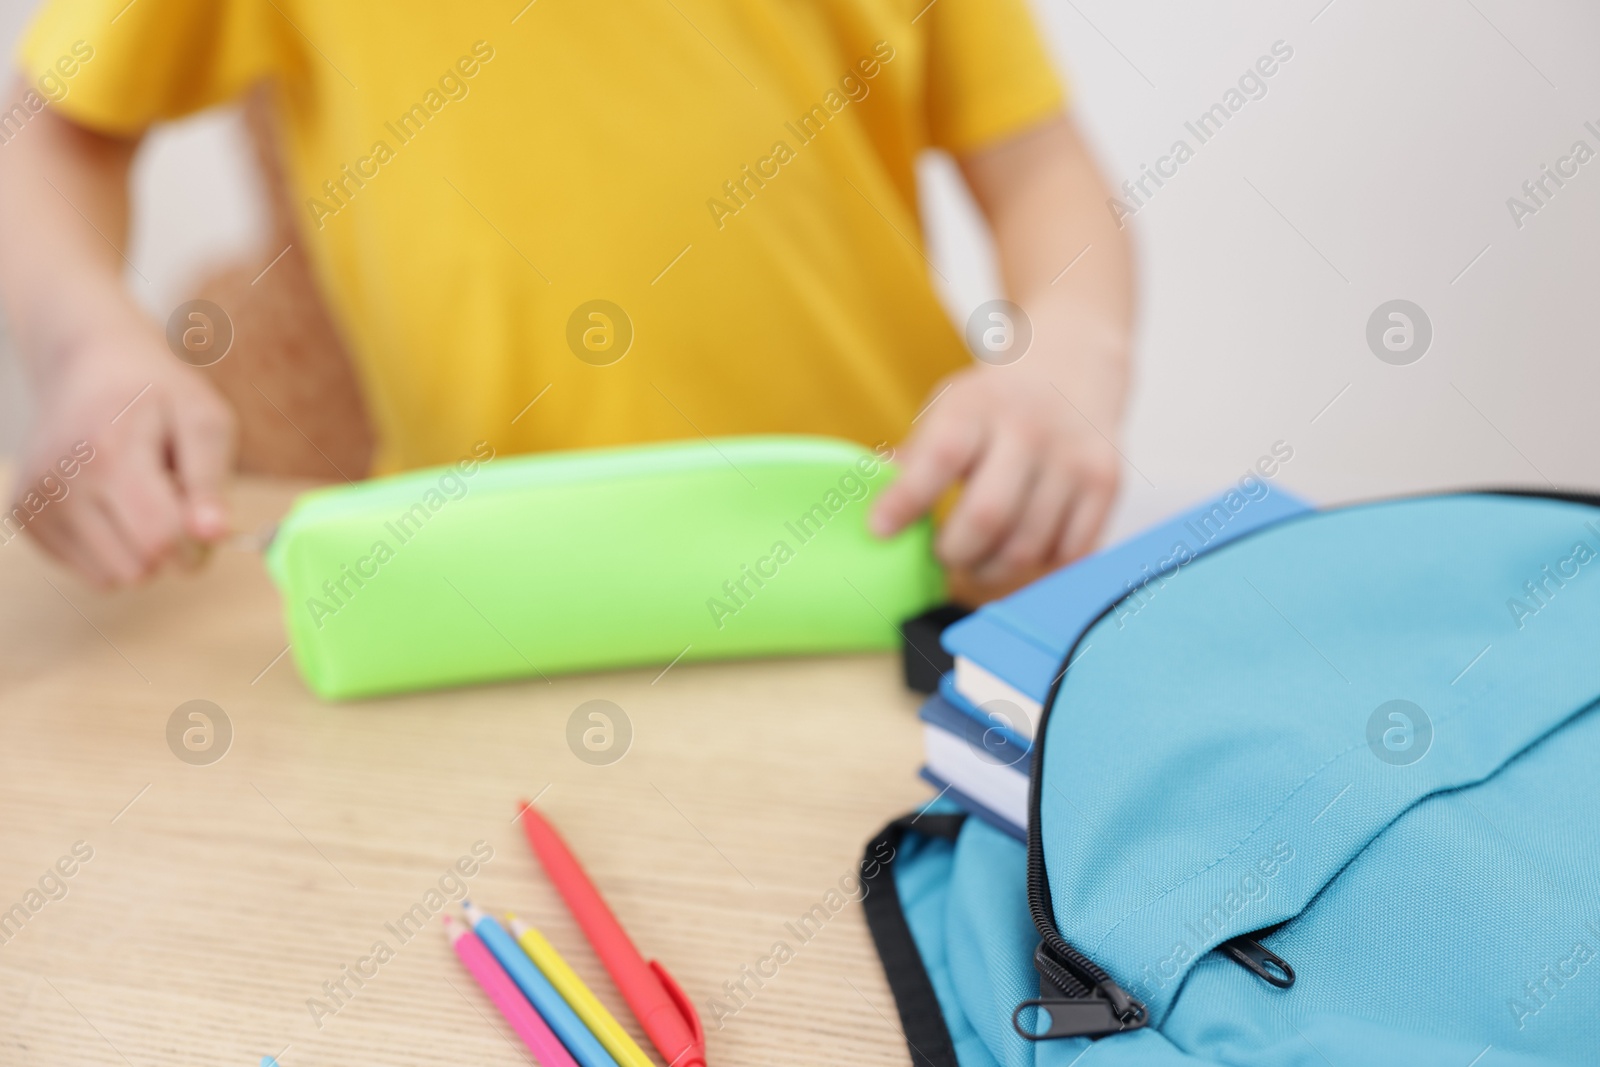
{"x":921,"y":1018}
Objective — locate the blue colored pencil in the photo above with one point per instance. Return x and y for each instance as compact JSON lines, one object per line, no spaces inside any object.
{"x":550,"y":1004}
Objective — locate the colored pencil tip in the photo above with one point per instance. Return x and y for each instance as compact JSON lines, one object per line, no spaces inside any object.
{"x":474,"y":913}
{"x":518,"y":927}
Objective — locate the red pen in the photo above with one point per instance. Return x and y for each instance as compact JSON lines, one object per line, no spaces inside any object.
{"x":659,"y":1003}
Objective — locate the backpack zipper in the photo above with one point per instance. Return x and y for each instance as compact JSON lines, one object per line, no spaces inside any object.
{"x":1080,"y":999}
{"x":1077,"y":996}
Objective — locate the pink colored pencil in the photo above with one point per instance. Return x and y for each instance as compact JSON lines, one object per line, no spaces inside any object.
{"x":492,"y":978}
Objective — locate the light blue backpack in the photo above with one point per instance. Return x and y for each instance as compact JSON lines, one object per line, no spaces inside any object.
{"x":1332,"y":798}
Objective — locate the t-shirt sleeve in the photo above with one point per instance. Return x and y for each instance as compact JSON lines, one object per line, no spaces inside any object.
{"x":118,"y":66}
{"x":988,"y":73}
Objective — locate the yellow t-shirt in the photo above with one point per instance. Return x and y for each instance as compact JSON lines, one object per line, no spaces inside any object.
{"x":733,"y":178}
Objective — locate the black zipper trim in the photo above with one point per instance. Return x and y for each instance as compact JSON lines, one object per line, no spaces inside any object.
{"x":1066,"y":976}
{"x":1077,"y":980}
{"x":1090,"y":980}
{"x":1078,"y":989}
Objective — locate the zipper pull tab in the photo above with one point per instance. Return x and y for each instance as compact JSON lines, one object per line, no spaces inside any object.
{"x":1082,"y":1017}
{"x":1259,"y":960}
{"x":1073,"y":1010}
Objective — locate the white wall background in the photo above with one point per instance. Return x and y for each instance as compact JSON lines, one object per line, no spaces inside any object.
{"x":1390,"y":142}
{"x":1376,"y":167}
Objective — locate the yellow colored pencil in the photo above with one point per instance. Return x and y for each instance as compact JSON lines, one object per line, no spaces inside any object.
{"x":577,"y":995}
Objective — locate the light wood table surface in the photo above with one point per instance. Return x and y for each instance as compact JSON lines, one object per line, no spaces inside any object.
{"x":221,"y":897}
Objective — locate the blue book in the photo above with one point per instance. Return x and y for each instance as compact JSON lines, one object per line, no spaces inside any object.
{"x":1003,"y":717}
{"x":976,"y":766}
{"x":993,"y":737}
{"x":1008,"y":652}
{"x":973,"y":807}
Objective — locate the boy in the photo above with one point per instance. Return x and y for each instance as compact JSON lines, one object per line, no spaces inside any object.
{"x":660,"y":219}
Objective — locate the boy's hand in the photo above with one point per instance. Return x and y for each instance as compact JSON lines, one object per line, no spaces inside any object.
{"x":1039,"y":477}
{"x":1032,"y":438}
{"x":162,"y":443}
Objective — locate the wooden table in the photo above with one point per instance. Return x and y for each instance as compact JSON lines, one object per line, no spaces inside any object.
{"x":219,"y":898}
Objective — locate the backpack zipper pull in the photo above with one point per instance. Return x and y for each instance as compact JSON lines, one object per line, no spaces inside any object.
{"x":1084,"y":1017}
{"x":1104,"y":1009}
{"x":1259,"y":960}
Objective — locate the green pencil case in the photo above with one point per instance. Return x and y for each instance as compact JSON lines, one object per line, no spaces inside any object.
{"x":510,"y":567}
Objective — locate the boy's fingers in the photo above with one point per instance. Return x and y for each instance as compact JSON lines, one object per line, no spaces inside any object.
{"x":55,"y":536}
{"x":144,"y":507}
{"x":203,"y":455}
{"x":994,"y":498}
{"x":935,"y":458}
{"x":95,"y":533}
{"x":1040,"y":529}
{"x":1089,"y":512}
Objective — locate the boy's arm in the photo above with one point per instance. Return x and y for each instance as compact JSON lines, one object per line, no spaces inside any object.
{"x":161,"y":438}
{"x":1033,"y":439}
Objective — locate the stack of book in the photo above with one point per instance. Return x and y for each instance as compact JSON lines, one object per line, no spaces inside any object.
{"x":980,"y":724}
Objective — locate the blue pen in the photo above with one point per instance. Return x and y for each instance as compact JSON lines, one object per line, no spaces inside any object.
{"x":550,"y":1005}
